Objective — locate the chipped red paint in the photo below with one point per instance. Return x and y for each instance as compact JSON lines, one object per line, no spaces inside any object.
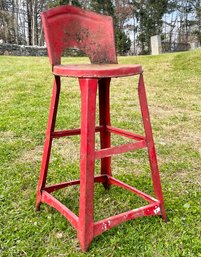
{"x":68,"y":26}
{"x":65,"y":27}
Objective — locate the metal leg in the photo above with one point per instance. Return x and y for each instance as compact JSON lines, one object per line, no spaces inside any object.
{"x":87,"y":161}
{"x":151,"y":146}
{"x":48,"y":139}
{"x":104,"y":120}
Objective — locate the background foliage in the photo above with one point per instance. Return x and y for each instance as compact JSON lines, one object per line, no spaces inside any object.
{"x":135,"y":20}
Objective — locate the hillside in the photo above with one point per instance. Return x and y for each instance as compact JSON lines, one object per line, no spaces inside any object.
{"x":173,"y":83}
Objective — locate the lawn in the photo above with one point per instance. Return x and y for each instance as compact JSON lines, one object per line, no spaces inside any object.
{"x":173,"y":83}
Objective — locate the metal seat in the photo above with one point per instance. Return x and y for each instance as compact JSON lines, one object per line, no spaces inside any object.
{"x":96,"y":70}
{"x":67,"y":27}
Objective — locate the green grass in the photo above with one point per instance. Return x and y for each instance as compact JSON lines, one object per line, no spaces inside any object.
{"x":173,"y":83}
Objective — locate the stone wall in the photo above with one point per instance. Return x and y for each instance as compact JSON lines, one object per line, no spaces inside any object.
{"x":21,"y":50}
{"x":175,"y":47}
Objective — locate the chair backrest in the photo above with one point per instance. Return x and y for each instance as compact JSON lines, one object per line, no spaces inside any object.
{"x":71,"y":27}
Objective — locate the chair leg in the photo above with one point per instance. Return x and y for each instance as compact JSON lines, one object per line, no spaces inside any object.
{"x":87,"y":161}
{"x":48,"y":139}
{"x":151,"y":146}
{"x":104,"y":120}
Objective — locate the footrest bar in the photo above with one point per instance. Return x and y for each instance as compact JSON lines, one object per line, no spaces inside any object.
{"x":143,"y":195}
{"x":148,"y":210}
{"x":53,"y":202}
{"x":106,"y":152}
{"x":71,"y":132}
{"x":52,"y":188}
{"x":124,"y":133}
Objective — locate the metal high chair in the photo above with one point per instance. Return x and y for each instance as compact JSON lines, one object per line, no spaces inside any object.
{"x":66,"y":27}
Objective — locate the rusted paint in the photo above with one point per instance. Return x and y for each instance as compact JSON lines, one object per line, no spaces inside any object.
{"x":68,"y":26}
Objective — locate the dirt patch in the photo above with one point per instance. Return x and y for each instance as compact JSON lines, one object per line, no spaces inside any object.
{"x":67,"y":148}
{"x":193,"y":177}
{"x":161,"y":111}
{"x":7,"y":136}
{"x":31,"y":156}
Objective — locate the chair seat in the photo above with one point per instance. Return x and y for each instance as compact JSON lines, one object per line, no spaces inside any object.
{"x":96,"y":70}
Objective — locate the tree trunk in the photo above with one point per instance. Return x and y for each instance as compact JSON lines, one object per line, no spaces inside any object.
{"x":16,"y":27}
{"x":29,"y":20}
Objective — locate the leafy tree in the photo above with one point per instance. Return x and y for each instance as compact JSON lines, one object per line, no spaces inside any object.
{"x":196,"y":4}
{"x":123,"y":42}
{"x":106,"y":7}
{"x":62,"y":2}
{"x":103,"y":6}
{"x":149,"y":16}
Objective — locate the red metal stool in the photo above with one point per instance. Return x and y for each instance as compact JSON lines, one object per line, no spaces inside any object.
{"x":66,"y":27}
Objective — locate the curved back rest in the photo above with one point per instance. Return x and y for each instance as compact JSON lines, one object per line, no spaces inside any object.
{"x":69,"y":26}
